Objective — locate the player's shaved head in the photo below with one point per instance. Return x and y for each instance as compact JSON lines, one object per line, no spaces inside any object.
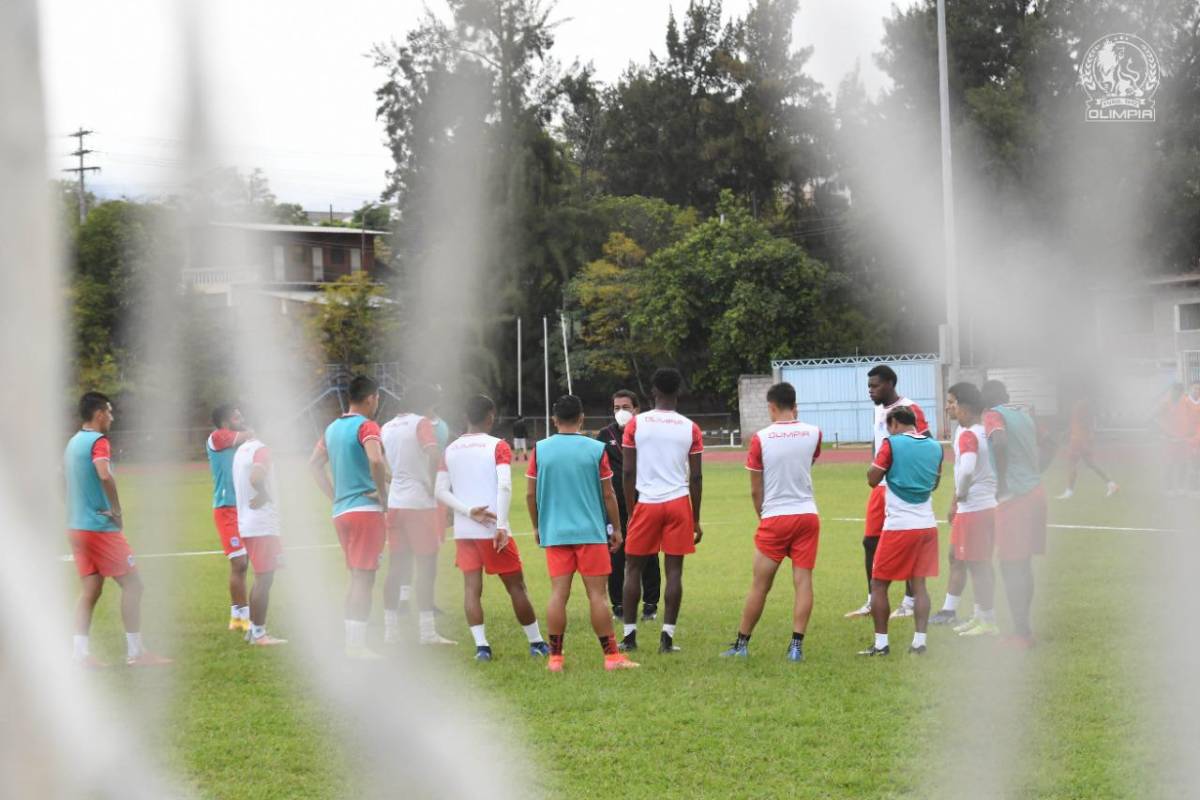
{"x":90,"y":403}
{"x":478,"y":408}
{"x":667,"y":381}
{"x":361,"y":388}
{"x":884,"y":373}
{"x":568,"y":408}
{"x":902,"y":415}
{"x":995,"y":393}
{"x":782,"y":396}
{"x":967,"y":395}
{"x":222,"y":414}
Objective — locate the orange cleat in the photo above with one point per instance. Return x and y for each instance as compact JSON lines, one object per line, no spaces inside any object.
{"x":1017,"y":642}
{"x":619,"y":661}
{"x":148,"y":659}
{"x":554,"y":664}
{"x":267,"y":640}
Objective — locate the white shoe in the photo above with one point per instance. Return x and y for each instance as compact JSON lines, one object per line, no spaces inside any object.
{"x":902,"y":611}
{"x":1112,"y":489}
{"x":1067,"y":494}
{"x":436,"y":639}
{"x":864,"y":611}
{"x":391,"y":635}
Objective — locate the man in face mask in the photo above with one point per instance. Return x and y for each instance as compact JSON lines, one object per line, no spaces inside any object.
{"x":625,"y":406}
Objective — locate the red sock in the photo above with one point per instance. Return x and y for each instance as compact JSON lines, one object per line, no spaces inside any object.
{"x":556,"y":644}
{"x":609,"y":644}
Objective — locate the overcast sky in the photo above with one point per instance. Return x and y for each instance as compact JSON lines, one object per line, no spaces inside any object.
{"x":292,"y":92}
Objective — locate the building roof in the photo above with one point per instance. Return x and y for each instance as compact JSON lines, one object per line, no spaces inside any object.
{"x":1173,"y":280}
{"x":272,"y":228}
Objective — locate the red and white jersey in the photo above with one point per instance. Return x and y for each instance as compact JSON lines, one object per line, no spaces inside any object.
{"x":407,"y":440}
{"x":262,"y":521}
{"x":471,"y":462}
{"x":784,"y":453}
{"x":981,"y":495}
{"x":663,"y":440}
{"x":881,"y":412}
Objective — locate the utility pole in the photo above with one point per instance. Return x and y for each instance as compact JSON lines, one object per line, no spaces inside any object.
{"x":948,"y":241}
{"x":81,"y":151}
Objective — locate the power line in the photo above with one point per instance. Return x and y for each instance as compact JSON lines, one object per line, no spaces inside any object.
{"x":82,"y":170}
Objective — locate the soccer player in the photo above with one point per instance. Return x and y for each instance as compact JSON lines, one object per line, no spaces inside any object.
{"x":1019,"y":454}
{"x":414,"y":520}
{"x":625,"y":406}
{"x":258,"y":525}
{"x":662,"y":451}
{"x":100,"y":549}
{"x":972,"y":515}
{"x":520,"y":433}
{"x":475,"y":481}
{"x":881,"y":387}
{"x":780,"y":462}
{"x":352,"y":449}
{"x":571,"y":502}
{"x":228,"y":435}
{"x":908,"y":545}
{"x":1174,"y":419}
{"x":1079,"y":448}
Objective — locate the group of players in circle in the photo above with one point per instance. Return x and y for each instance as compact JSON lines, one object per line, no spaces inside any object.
{"x":394,"y":486}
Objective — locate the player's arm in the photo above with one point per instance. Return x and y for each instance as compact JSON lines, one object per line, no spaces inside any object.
{"x":444,"y":494}
{"x":880,"y":466}
{"x":109,"y":484}
{"x":316,"y":465}
{"x":875,"y":476}
{"x":616,"y":536}
{"x":379,"y":468}
{"x":998,"y":442}
{"x":756,"y":491}
{"x":531,"y":505}
{"x":937,"y":479}
{"x":503,"y":503}
{"x":258,"y":480}
{"x":696,"y":489}
{"x":754,"y":464}
{"x":629,"y":477}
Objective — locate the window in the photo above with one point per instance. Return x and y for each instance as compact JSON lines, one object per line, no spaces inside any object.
{"x":337,"y":256}
{"x":279,"y":268}
{"x":355,"y":259}
{"x":1189,"y":316}
{"x":318,"y":264}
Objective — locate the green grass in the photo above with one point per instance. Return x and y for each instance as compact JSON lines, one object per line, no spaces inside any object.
{"x":693,"y":725}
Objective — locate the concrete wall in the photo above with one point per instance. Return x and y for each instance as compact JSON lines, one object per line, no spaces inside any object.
{"x":752,"y":404}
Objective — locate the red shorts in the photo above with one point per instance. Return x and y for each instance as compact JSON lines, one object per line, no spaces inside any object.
{"x":227,"y":528}
{"x":791,"y":536}
{"x":266,"y":553}
{"x":906,"y":554}
{"x":362,"y":535}
{"x":415,"y":529}
{"x":973,"y":534}
{"x":668,"y":527}
{"x":475,"y":554}
{"x":586,"y":559}
{"x":101,"y":552}
{"x":876,"y":510}
{"x":1021,"y":526}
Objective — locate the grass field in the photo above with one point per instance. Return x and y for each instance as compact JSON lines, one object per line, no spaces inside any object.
{"x":1059,"y":721}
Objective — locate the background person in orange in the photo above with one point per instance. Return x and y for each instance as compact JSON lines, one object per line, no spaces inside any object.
{"x":1173,"y":418}
{"x":1080,"y":442}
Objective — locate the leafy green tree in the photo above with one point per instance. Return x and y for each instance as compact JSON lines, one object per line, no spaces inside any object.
{"x":355,"y":323}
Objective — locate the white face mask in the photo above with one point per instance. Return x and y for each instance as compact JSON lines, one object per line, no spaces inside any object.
{"x":623,"y":416}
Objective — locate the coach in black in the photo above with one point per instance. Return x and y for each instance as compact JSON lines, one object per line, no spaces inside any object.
{"x":625,"y":406}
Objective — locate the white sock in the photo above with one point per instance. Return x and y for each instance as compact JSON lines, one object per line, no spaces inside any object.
{"x":978,"y":612}
{"x":478,"y":635}
{"x":405,"y":593}
{"x":391,"y":617}
{"x":79,"y":646}
{"x":880,"y":641}
{"x":909,"y":602}
{"x":428,"y":630}
{"x":988,"y":616}
{"x":532,"y":632}
{"x":257,"y":631}
{"x":951,"y":603}
{"x":356,"y":633}
{"x":868,"y":603}
{"x":133,"y":645}
{"x":630,"y":627}
{"x":669,"y":630}
{"x":233,"y":614}
{"x":918,"y":639}
{"x":243,"y":612}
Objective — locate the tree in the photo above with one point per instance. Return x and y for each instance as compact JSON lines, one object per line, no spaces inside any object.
{"x":355,"y":322}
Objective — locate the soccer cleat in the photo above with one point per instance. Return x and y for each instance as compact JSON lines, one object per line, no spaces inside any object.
{"x":944,"y":617}
{"x":239,"y":624}
{"x":862,"y":611}
{"x":148,"y":659}
{"x":1066,"y":495}
{"x":914,"y":650}
{"x":483,"y":653}
{"x":362,"y":653}
{"x":91,"y":662}
{"x":795,"y":652}
{"x":267,"y":640}
{"x":629,"y":643}
{"x":736,"y":651}
{"x":666,"y":644}
{"x":539,"y":649}
{"x":649,"y":612}
{"x":554,"y":664}
{"x":966,"y":626}
{"x":618,"y":661}
{"x":902,"y":611}
{"x":436,"y":639}
{"x":1111,"y":489}
{"x":876,"y":651}
{"x":982,"y":629}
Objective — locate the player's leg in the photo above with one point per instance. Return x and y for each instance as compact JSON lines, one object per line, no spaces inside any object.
{"x":426,"y":578}
{"x":803,"y":604}
{"x":616,"y":582}
{"x":1073,"y":457}
{"x":1018,"y":587}
{"x":556,"y":613}
{"x":358,"y":607}
{"x":90,"y":588}
{"x":954,"y":589}
{"x":762,"y":577}
{"x":983,"y":583}
{"x":602,"y":623}
{"x":870,"y":545}
{"x":238,"y":567}
{"x":136,"y":653}
{"x":920,"y":614}
{"x":473,"y":605}
{"x":651,"y":588}
{"x":905,"y":609}
{"x":672,"y":600}
{"x":880,"y":611}
{"x":514,"y":584}
{"x":1109,"y":484}
{"x":632,"y":595}
{"x":260,"y":599}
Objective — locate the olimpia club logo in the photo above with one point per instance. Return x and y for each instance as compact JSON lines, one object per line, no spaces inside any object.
{"x":1120,"y":74}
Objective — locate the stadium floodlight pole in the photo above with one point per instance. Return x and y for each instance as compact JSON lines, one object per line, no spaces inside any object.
{"x":947,"y":193}
{"x":566,"y":355}
{"x":518,"y":366}
{"x":546,"y":368}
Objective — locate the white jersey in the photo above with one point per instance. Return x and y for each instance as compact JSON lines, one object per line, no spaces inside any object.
{"x":471,"y":462}
{"x":981,"y":495}
{"x":407,"y":439}
{"x":784,"y":453}
{"x":881,"y":412}
{"x":663,"y":440}
{"x":254,"y":522}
